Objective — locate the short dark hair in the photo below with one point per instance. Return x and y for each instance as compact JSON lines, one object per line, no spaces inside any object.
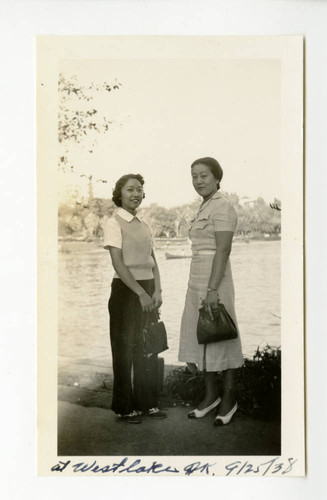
{"x":214,"y":166}
{"x":116,"y":193}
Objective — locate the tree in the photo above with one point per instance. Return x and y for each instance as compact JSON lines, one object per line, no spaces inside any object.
{"x":183,"y":216}
{"x":256,"y":217}
{"x":78,"y":122}
{"x":86,"y":219}
{"x":79,"y":219}
{"x":276,"y":205}
{"x":160,"y":219}
{"x":233,"y":198}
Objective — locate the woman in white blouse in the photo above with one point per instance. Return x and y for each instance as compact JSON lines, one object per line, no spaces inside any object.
{"x":135,"y":291}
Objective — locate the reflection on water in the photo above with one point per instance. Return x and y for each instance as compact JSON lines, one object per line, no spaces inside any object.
{"x":84,"y":289}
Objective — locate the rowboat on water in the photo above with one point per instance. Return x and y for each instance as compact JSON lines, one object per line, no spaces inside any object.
{"x":177,"y":256}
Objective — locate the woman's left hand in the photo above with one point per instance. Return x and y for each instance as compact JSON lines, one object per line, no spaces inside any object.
{"x":211,"y":303}
{"x":157,"y":298}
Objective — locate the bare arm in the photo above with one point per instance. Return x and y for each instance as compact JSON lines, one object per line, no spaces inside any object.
{"x":223,"y":248}
{"x":156,"y":296}
{"x":129,"y":280}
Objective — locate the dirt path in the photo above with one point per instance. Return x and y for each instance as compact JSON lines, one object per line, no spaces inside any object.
{"x":95,"y":430}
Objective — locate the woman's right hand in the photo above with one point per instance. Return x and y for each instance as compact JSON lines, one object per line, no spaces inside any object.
{"x":146,"y":302}
{"x":211,"y":302}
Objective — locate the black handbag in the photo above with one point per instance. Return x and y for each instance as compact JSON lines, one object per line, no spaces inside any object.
{"x":154,"y":334}
{"x":222,"y":327}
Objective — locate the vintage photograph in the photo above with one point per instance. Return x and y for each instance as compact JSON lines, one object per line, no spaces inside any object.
{"x":169,"y":171}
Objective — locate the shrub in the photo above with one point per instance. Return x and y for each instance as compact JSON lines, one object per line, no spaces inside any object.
{"x":182,"y":384}
{"x":258,"y":384}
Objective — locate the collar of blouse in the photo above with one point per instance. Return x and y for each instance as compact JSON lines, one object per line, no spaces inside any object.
{"x":127,"y":216}
{"x":206,"y":203}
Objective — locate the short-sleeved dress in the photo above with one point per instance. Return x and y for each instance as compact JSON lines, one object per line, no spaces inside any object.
{"x":217,"y":214}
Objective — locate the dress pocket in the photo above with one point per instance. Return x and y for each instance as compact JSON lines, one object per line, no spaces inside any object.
{"x":200,"y":223}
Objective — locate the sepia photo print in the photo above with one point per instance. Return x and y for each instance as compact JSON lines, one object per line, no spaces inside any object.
{"x":170,"y":177}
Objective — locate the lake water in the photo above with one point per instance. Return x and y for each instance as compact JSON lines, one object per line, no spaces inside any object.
{"x":85,"y":275}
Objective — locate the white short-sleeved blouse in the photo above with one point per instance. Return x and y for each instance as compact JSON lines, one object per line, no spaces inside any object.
{"x":133,"y":237}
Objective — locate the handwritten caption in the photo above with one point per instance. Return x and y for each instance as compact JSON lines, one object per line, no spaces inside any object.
{"x":135,"y":467}
{"x":273,"y":466}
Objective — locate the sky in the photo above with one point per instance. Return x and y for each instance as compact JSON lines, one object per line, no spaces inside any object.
{"x":170,"y":112}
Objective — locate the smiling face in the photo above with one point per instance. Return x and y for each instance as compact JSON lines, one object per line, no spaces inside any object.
{"x":131,"y":195}
{"x":204,"y":182}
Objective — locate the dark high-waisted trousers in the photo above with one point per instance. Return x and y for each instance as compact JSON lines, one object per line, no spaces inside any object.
{"x":126,"y":336}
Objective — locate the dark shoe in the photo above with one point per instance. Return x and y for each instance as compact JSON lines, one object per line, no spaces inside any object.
{"x":156,"y":413}
{"x":131,"y":418}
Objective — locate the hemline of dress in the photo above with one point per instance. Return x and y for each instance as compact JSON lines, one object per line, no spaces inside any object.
{"x":230,"y":364}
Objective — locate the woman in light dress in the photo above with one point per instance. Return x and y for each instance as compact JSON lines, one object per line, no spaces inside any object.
{"x":211,"y":279}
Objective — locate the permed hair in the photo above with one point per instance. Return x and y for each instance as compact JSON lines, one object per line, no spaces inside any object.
{"x":214,"y":166}
{"x":116,"y":193}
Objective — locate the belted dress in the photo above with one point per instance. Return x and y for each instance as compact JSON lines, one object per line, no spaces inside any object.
{"x":215,"y":215}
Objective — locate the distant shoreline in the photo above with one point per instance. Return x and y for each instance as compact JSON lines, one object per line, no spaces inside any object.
{"x":75,"y":244}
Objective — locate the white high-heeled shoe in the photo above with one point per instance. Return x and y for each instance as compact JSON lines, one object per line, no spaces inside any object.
{"x":224,"y":420}
{"x":202,"y":413}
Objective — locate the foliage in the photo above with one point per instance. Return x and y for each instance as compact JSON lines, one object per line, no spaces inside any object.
{"x":160,"y":219}
{"x":77,"y":120}
{"x":182,"y":384}
{"x":255,"y":217}
{"x":84,"y":220}
{"x":79,"y":123}
{"x":258,"y":384}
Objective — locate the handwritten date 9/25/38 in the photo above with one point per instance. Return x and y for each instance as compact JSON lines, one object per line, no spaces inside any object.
{"x":270,"y":467}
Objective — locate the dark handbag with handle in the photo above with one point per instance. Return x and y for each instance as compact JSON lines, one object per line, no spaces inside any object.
{"x":154,"y":334}
{"x":222,"y":327}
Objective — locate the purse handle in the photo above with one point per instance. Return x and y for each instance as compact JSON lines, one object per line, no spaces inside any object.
{"x":152,"y":317}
